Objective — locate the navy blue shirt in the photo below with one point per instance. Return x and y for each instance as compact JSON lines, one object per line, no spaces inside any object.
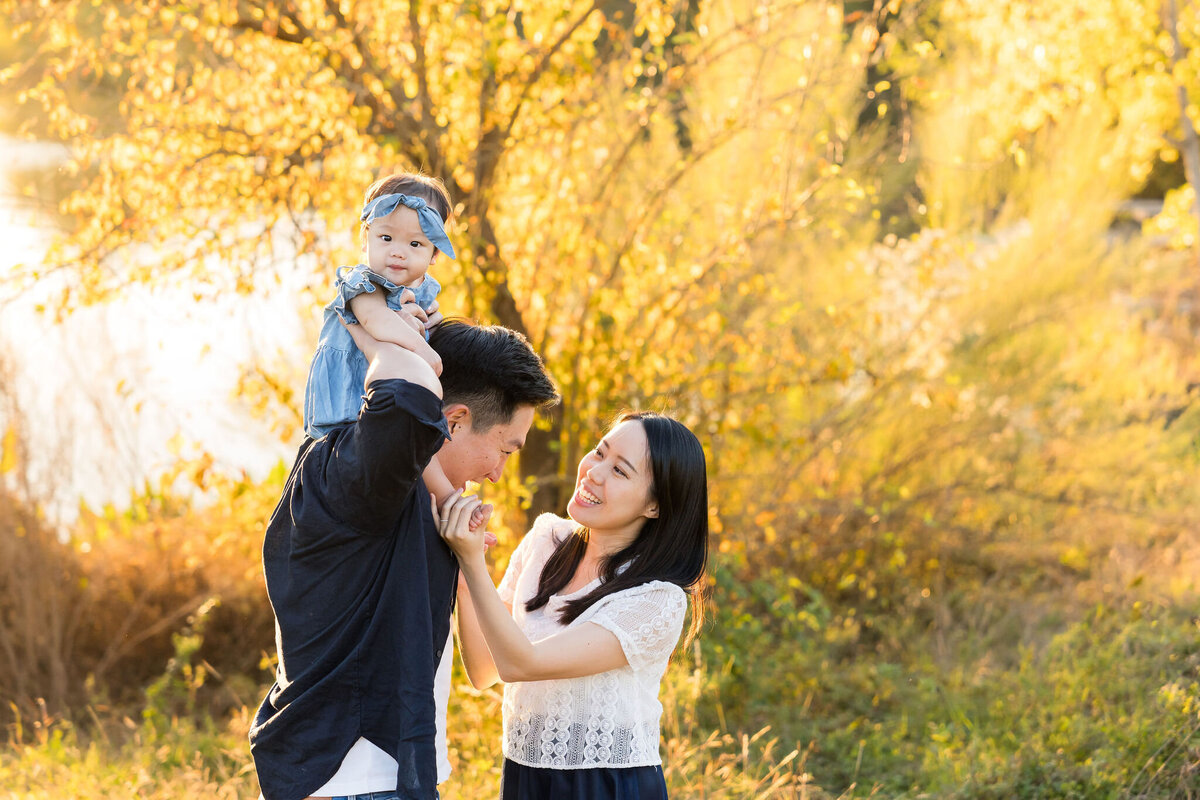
{"x":362,"y":587}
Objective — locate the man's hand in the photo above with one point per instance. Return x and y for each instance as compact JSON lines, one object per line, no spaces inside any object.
{"x":431,"y":356}
{"x":435,"y":316}
{"x":416,"y":316}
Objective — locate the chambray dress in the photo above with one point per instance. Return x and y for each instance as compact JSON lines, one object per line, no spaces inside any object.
{"x":334,"y":392}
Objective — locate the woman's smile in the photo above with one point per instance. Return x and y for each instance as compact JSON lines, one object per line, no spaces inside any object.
{"x":613,"y":490}
{"x":586,"y":497}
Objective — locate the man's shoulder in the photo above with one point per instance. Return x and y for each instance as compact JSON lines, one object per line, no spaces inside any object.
{"x":400,"y":425}
{"x":402,"y":395}
{"x":396,"y":413}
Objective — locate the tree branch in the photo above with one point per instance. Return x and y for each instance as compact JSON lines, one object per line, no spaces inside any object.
{"x":428,"y":121}
{"x":542,"y":65}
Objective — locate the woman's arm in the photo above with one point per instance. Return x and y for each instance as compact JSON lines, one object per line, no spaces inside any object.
{"x":385,"y":325}
{"x":481,"y":670}
{"x":585,"y":650}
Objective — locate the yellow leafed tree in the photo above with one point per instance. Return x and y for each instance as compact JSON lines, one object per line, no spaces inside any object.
{"x":624,"y":171}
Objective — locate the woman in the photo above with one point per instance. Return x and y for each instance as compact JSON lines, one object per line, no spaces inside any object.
{"x":588,"y":613}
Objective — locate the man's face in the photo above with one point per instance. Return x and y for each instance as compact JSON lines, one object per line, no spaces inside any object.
{"x":479,"y":455}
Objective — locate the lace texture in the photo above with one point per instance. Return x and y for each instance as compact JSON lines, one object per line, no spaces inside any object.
{"x":610,"y":719}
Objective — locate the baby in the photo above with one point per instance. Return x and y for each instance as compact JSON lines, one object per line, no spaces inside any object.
{"x":403,"y":223}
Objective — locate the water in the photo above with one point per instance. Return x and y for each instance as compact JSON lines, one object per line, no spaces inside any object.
{"x":112,"y":396}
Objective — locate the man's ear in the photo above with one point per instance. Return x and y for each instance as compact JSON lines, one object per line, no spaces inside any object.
{"x":457,"y":415}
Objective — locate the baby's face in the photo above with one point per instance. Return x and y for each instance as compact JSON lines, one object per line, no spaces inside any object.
{"x":398,"y":249}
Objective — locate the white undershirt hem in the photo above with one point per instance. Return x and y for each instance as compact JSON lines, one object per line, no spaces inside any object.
{"x":367,"y":768}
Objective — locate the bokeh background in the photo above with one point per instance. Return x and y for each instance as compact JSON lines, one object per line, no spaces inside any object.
{"x":923,"y":275}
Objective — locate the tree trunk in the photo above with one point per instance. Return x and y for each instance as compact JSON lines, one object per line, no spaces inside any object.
{"x":539,"y":461}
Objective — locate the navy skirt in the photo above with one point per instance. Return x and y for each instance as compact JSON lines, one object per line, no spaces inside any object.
{"x":520,"y":782}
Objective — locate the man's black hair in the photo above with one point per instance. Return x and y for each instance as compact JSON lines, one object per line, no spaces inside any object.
{"x":491,"y":370}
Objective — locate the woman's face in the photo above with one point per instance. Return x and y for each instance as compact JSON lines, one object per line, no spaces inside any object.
{"x":613,"y":484}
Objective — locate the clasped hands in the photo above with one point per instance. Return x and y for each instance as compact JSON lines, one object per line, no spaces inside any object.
{"x":462,"y":523}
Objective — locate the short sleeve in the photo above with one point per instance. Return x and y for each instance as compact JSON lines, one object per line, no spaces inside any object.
{"x":427,"y":292}
{"x":516,"y":565}
{"x":368,"y":468}
{"x":647,"y":620}
{"x":541,"y":537}
{"x":351,"y":282}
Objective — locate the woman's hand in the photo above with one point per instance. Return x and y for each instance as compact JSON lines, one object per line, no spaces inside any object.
{"x":454,"y":525}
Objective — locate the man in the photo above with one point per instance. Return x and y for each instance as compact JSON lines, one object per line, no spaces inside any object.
{"x":361,"y":584}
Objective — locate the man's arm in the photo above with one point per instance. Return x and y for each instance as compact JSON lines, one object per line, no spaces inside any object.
{"x":387,"y":360}
{"x":385,"y":325}
{"x":373,"y":464}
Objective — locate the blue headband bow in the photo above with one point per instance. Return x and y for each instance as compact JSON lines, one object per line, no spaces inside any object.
{"x":430,"y":219}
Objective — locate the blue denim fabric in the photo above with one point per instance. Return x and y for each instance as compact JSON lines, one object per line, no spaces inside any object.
{"x":334,"y":391}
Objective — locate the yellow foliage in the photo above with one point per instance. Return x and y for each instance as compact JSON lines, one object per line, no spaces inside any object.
{"x":8,"y":450}
{"x":916,"y":351}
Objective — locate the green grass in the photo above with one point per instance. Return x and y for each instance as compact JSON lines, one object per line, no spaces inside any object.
{"x":117,"y":757}
{"x":798,"y":701}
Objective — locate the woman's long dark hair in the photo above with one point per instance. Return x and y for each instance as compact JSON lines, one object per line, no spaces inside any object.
{"x":671,"y":547}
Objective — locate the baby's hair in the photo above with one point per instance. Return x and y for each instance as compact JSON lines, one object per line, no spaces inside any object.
{"x":413,"y":184}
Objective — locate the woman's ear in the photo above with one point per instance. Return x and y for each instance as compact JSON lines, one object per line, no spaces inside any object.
{"x":652,"y":511}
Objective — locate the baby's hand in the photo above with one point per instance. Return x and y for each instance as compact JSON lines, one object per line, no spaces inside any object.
{"x":480,"y":515}
{"x":453,"y":524}
{"x":479,"y":519}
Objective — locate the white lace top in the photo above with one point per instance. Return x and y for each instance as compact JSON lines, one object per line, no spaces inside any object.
{"x":604,"y":720}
